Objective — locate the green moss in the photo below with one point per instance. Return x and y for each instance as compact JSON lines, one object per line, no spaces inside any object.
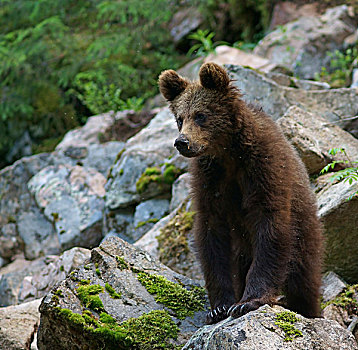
{"x":171,"y":173}
{"x":346,"y":300}
{"x":172,"y":239}
{"x":90,"y":319}
{"x":150,"y":175}
{"x":119,"y":155}
{"x":98,"y":272}
{"x":55,"y":216}
{"x":87,"y":267}
{"x":121,"y":172}
{"x":55,"y":299}
{"x":85,"y":282}
{"x":121,"y":263}
{"x":58,"y":292}
{"x":182,"y":301}
{"x":150,"y":221}
{"x":72,"y":317}
{"x":112,"y":292}
{"x":286,"y":321}
{"x":105,"y":318}
{"x":155,"y":174}
{"x":62,"y":268}
{"x":11,"y":219}
{"x":73,"y":276}
{"x":153,"y":330}
{"x":89,"y":296}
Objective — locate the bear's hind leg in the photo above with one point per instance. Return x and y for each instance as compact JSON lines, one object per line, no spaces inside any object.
{"x":303,"y":291}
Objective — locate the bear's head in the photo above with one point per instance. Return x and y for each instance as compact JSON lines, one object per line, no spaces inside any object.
{"x":204,"y":110}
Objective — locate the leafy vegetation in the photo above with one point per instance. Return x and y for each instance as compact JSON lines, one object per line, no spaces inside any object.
{"x":65,"y":60}
{"x":347,"y":299}
{"x":348,"y":174}
{"x":205,"y":43}
{"x":341,"y":65}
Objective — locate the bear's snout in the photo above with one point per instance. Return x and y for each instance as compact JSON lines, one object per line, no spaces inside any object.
{"x":181,"y":143}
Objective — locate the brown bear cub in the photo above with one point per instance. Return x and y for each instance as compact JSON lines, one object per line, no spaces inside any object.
{"x":256,"y":227}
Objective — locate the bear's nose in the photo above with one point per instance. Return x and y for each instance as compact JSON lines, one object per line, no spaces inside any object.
{"x":181,"y":143}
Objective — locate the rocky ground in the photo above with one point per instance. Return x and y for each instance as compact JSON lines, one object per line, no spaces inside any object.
{"x":98,"y":233}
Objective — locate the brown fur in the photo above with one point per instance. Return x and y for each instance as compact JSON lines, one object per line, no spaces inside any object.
{"x":256,"y":228}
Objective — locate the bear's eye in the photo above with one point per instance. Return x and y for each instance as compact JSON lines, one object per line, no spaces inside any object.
{"x":180,"y":122}
{"x":200,"y":118}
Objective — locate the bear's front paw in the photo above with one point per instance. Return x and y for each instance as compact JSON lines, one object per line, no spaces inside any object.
{"x":242,"y":308}
{"x":217,"y":314}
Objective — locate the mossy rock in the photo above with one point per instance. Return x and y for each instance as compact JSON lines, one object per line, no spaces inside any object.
{"x":134,"y":302}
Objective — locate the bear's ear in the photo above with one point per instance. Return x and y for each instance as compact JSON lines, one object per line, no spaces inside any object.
{"x":212,"y":76}
{"x":171,"y":84}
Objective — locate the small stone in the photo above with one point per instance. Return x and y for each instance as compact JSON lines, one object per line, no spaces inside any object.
{"x":332,"y":285}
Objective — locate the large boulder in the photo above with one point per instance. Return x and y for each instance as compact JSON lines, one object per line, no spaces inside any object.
{"x":272,"y":328}
{"x":123,"y":298}
{"x":313,"y":137}
{"x":16,"y":200}
{"x":148,"y":166}
{"x":72,"y":198}
{"x":302,"y":45}
{"x":339,"y":216}
{"x":18,"y":325}
{"x":334,"y":105}
{"x":25,"y":280}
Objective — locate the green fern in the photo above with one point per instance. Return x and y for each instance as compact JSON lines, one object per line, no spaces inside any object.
{"x":348,"y":174}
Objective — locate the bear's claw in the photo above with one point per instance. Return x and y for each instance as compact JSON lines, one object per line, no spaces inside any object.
{"x":217,"y":314}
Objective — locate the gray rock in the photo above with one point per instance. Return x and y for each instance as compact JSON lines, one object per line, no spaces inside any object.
{"x":173,"y":245}
{"x":14,"y":195}
{"x":354,"y":78}
{"x":18,"y":325}
{"x":37,"y":234}
{"x":73,"y":200}
{"x":152,"y":146}
{"x":257,"y":330}
{"x":311,"y":85}
{"x":313,"y":137}
{"x":121,"y":190}
{"x":285,"y":80}
{"x":149,"y":241}
{"x":340,"y":218}
{"x":145,"y":215}
{"x":58,"y":332}
{"x":302,"y":45}
{"x":25,"y":280}
{"x":119,"y":223}
{"x":102,"y":156}
{"x":332,"y":285}
{"x":15,"y":199}
{"x":180,"y":191}
{"x":334,"y":105}
{"x":10,"y":242}
{"x":183,"y":22}
{"x":88,"y":134}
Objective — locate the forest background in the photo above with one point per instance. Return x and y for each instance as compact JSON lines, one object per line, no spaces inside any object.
{"x":62,"y":61}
